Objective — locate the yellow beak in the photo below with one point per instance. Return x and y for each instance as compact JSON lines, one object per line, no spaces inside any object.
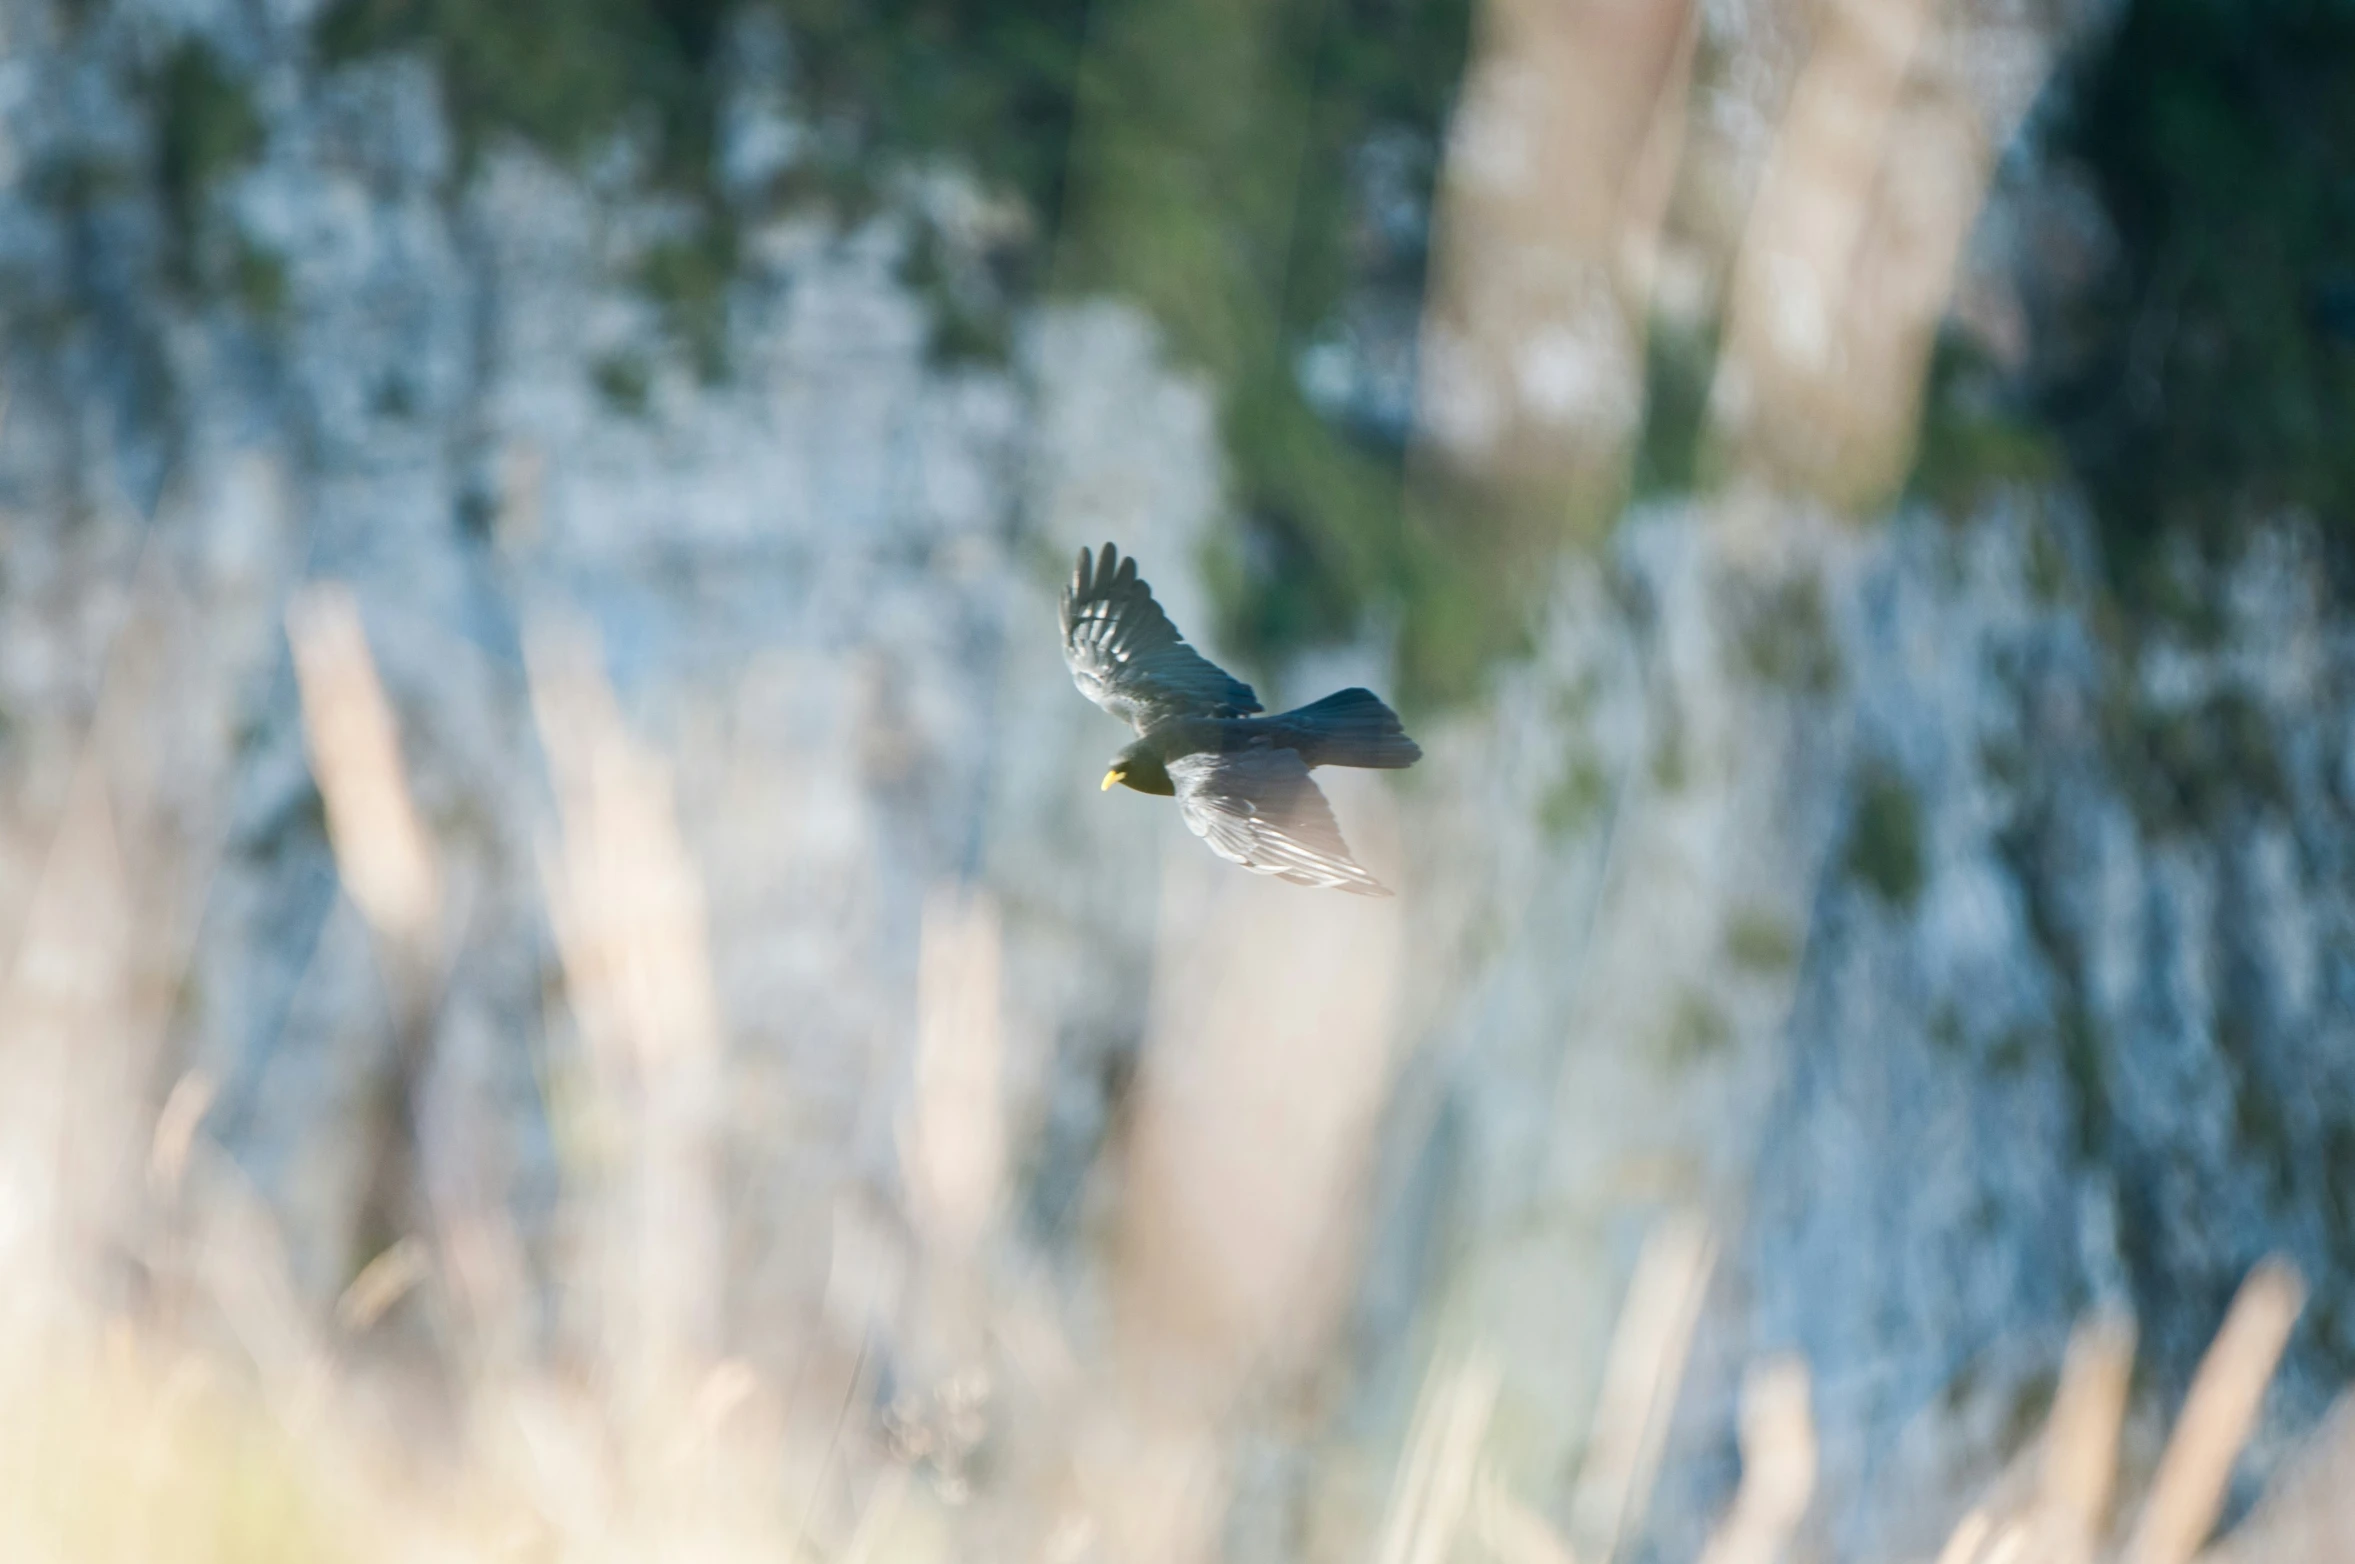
{"x":1110,"y":777}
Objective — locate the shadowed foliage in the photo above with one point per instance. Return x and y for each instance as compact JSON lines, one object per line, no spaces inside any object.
{"x":2207,"y":379}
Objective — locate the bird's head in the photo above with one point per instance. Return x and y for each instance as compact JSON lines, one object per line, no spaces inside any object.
{"x":1138,"y":767}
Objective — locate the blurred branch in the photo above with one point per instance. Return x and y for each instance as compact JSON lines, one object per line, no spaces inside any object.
{"x":1968,"y":1539}
{"x":2308,"y":1512}
{"x":100,"y":958}
{"x":1435,"y":1479}
{"x":1778,"y":1466}
{"x":380,"y":1284}
{"x":1257,"y":1101}
{"x":1640,"y":1381}
{"x":626,"y":903}
{"x":1877,"y":174}
{"x":353,"y":740}
{"x":2081,"y":1439}
{"x":952,"y":1145}
{"x":1513,"y":1531}
{"x":2187,"y":1492}
{"x":1559,"y":168}
{"x":1792,"y":316}
{"x":184,"y":1109}
{"x":388,"y":868}
{"x":953,"y":1137}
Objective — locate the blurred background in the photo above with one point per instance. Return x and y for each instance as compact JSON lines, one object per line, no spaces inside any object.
{"x":567,"y":992}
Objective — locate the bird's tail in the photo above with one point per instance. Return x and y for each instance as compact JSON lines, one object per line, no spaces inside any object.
{"x":1352,"y":728}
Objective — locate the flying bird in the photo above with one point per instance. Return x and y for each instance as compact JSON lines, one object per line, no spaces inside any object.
{"x":1241,"y":779}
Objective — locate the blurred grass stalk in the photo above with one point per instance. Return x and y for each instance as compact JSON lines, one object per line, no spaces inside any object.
{"x":1778,"y":1466}
{"x":1437,"y":1475}
{"x":1586,"y":204}
{"x":388,"y":868}
{"x":1242,"y":1187}
{"x":1641,"y":1375}
{"x":133,"y":822}
{"x":1559,"y":170}
{"x":1237,"y":1218}
{"x":626,"y":905}
{"x":953,"y":1132}
{"x":2064,"y":1519}
{"x":1780,"y":193}
{"x":2081,"y":1438}
{"x":2187,"y":1491}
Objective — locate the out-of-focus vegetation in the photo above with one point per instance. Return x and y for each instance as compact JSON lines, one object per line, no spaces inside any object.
{"x":1976,"y":433}
{"x":1669,"y":456}
{"x":1204,"y":157}
{"x":2206,"y":380}
{"x":1211,"y":159}
{"x":562,"y":74}
{"x":206,"y":128}
{"x":1885,"y":844}
{"x":1218,"y":178}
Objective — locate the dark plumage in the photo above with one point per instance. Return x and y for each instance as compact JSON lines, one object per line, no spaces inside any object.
{"x":1241,"y":779}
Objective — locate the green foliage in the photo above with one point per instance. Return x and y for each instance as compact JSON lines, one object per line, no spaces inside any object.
{"x":2046,"y":567}
{"x":2082,"y":1059}
{"x":204,"y":129}
{"x":1975,"y":435}
{"x":1678,"y":368}
{"x":1210,"y":143}
{"x":2009,"y":1054}
{"x":1671,"y":757}
{"x":688,"y":280}
{"x":1697,"y":1029}
{"x":1468,"y":581}
{"x":2029,"y":1411}
{"x":2187,"y":768}
{"x":2258,"y":1120}
{"x":560,"y":74}
{"x":991,"y":82}
{"x":565,"y":75}
{"x":1885,"y":836}
{"x":75,"y":181}
{"x":970,"y":324}
{"x":1759,"y":940}
{"x":1212,"y":179}
{"x":257,"y":278}
{"x":2209,"y":378}
{"x":2338,"y":1184}
{"x":623,"y":382}
{"x":1784,"y":637}
{"x":395,"y":397}
{"x":1576,"y":798}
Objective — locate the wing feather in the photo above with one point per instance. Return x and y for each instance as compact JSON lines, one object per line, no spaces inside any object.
{"x":1128,"y":658}
{"x":1259,"y":808}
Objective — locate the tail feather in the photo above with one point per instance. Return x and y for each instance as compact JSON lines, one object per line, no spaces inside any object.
{"x":1352,"y":728}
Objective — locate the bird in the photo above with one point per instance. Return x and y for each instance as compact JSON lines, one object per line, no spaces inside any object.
{"x":1240,"y":777}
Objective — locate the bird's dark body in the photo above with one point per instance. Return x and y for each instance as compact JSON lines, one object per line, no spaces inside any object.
{"x":1241,"y":778}
{"x":1144,"y":765}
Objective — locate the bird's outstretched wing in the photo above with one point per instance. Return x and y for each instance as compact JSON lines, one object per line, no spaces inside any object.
{"x":1259,"y":809}
{"x":1128,"y":658}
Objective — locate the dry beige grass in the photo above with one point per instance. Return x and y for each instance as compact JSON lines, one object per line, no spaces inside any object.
{"x":231,"y":1421}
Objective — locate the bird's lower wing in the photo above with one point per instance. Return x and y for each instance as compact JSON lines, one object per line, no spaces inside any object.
{"x":1260,"y":809}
